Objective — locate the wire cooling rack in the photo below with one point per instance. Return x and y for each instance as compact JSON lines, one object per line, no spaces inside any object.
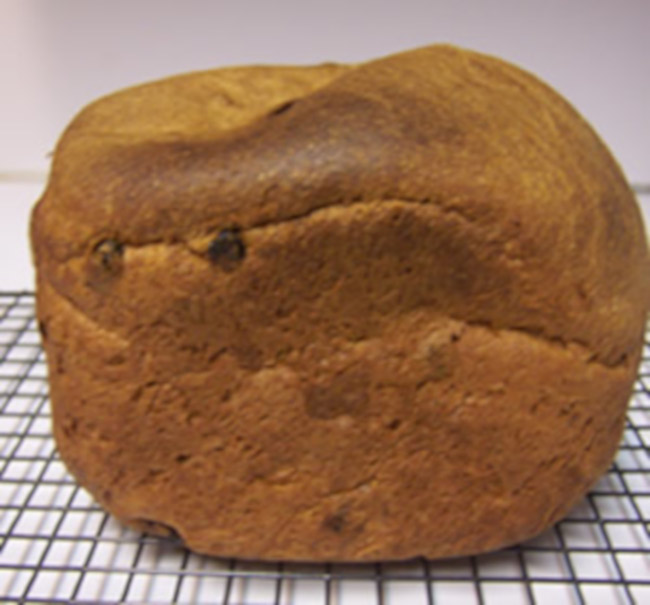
{"x":58,"y":546}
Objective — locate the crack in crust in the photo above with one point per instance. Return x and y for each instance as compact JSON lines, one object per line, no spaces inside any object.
{"x":572,"y":347}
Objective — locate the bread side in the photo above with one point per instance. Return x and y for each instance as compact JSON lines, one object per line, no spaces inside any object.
{"x":359,"y":313}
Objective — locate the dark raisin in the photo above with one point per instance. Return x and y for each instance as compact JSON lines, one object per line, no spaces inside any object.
{"x":335,"y":522}
{"x":108,"y":254}
{"x":154,"y":527}
{"x":42,"y":328}
{"x":227,"y":249}
{"x":280,"y":109}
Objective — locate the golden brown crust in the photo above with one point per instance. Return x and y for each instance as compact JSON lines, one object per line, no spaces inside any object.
{"x":341,"y":313}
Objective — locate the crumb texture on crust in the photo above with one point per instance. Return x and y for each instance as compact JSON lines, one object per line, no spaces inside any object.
{"x":339,"y":312}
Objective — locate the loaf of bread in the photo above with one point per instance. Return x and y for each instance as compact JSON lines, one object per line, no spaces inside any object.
{"x":339,"y":313}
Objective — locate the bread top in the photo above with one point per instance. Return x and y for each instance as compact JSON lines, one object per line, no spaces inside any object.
{"x":549,"y":239}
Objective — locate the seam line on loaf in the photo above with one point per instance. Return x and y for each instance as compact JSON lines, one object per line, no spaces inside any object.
{"x":579,"y":348}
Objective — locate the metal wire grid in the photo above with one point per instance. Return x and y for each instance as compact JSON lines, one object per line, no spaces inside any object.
{"x":58,"y":546}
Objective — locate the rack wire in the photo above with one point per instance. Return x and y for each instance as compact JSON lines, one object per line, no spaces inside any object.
{"x":58,"y":546}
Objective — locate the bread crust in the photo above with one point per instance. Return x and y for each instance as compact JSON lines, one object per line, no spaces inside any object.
{"x":340,"y":312}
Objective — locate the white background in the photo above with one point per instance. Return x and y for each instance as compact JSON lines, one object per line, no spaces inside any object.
{"x":57,"y":55}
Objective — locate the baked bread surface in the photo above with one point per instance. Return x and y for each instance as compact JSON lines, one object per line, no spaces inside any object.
{"x":339,"y":312}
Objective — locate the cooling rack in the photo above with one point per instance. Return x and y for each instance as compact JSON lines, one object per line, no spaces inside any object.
{"x":58,"y":546}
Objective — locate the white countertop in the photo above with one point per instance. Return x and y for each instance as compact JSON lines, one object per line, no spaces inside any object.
{"x":57,"y":56}
{"x":16,"y":200}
